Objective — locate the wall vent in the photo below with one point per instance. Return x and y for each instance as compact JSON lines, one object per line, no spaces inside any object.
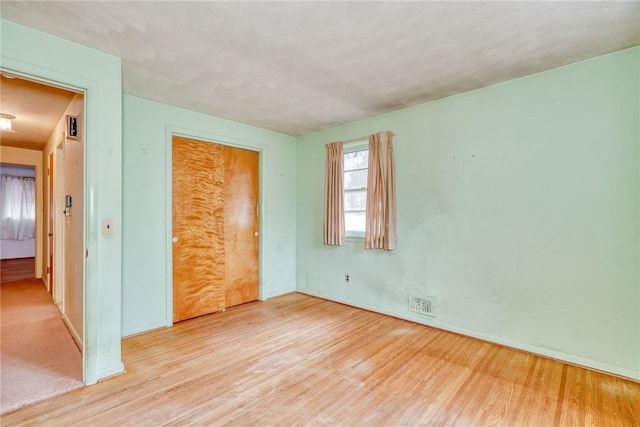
{"x":422,"y":305}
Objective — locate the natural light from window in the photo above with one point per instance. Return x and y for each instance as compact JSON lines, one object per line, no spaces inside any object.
{"x":356,"y":160}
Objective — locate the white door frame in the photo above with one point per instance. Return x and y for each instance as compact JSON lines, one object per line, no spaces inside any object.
{"x":58,"y":226}
{"x":89,"y":91}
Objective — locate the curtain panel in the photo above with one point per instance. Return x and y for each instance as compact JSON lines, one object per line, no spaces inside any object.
{"x":380,"y":231}
{"x":334,"y":232}
{"x":17,"y":207}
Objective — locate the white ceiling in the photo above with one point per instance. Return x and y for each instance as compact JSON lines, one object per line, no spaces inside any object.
{"x":297,"y":67}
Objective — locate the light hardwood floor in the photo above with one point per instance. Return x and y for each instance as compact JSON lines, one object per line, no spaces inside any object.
{"x":12,"y":270}
{"x":298,"y":360}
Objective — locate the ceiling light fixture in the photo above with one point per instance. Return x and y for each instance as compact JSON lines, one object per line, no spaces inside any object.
{"x":5,"y":122}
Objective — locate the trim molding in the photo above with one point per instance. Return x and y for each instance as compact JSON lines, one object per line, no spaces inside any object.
{"x":74,"y":334}
{"x":202,"y":135}
{"x":144,"y":328}
{"x":105,"y":373}
{"x":278,"y":292}
{"x":540,"y":351}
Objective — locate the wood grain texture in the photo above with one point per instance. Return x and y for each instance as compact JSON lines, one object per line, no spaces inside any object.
{"x":240,"y":225}
{"x":298,"y":360}
{"x":198,"y":224}
{"x":15,"y":269}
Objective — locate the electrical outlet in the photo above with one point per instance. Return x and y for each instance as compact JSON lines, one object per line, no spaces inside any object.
{"x":347,"y":279}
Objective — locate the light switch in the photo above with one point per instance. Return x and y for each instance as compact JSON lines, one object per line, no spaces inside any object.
{"x":107,"y":226}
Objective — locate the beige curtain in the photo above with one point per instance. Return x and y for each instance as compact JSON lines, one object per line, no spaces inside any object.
{"x":380,"y":231}
{"x":333,"y":196}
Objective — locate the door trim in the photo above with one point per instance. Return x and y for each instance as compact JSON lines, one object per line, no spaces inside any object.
{"x":205,"y":136}
{"x":89,"y":89}
{"x":58,"y":226}
{"x":51,"y":211}
{"x":33,"y":160}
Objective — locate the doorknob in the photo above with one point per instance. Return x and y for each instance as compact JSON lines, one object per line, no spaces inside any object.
{"x":50,"y":234}
{"x":175,"y":239}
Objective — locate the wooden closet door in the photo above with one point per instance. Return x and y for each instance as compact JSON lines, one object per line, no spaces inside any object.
{"x":198,"y":228}
{"x":241,"y":225}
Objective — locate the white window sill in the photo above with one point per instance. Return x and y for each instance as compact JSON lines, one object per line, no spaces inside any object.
{"x":354,"y":238}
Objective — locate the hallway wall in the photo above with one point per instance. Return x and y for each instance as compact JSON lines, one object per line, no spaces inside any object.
{"x":72,"y":240}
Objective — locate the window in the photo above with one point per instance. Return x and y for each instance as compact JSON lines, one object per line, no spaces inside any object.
{"x":17,"y":207}
{"x":356,"y":161}
{"x":360,"y":201}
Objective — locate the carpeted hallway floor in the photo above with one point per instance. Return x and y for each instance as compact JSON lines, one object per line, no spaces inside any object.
{"x":38,"y":358}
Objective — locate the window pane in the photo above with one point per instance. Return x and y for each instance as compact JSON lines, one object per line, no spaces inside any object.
{"x":356,"y":200}
{"x":355,"y":179}
{"x":356,"y":160}
{"x":354,"y":221}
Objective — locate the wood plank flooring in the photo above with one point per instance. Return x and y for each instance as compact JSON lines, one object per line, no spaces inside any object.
{"x":298,"y":360}
{"x":12,"y":270}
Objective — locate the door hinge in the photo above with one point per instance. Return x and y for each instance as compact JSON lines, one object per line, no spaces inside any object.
{"x":86,"y":253}
{"x":48,"y":270}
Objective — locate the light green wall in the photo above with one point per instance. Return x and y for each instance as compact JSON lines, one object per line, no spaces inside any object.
{"x":148,"y":126}
{"x":518,"y":209}
{"x":38,"y":55}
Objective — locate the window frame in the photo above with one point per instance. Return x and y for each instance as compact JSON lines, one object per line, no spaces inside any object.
{"x":351,"y":147}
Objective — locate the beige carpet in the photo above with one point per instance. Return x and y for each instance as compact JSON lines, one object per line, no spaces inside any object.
{"x":38,"y":358}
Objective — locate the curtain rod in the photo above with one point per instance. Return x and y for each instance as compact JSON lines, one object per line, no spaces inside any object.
{"x":362,"y":138}
{"x":17,"y":176}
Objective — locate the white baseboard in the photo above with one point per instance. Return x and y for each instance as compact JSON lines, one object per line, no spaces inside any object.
{"x":109,"y":372}
{"x":145,"y":328}
{"x":165,"y":323}
{"x":569,"y":358}
{"x":277,"y":292}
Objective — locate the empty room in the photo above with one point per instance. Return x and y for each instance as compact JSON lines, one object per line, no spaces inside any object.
{"x":332,"y":213}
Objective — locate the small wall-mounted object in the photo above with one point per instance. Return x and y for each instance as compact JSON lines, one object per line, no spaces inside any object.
{"x":67,"y":205}
{"x":422,"y":304}
{"x":72,"y":127}
{"x":107,"y":226}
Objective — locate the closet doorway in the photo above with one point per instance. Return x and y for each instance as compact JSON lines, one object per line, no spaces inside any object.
{"x":215,"y":204}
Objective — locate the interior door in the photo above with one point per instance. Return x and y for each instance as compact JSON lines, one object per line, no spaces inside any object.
{"x":50,"y":247}
{"x":58,"y":228}
{"x":241,"y":225}
{"x":198,"y":228}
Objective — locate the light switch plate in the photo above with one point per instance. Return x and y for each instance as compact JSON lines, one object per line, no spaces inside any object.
{"x":107,"y":226}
